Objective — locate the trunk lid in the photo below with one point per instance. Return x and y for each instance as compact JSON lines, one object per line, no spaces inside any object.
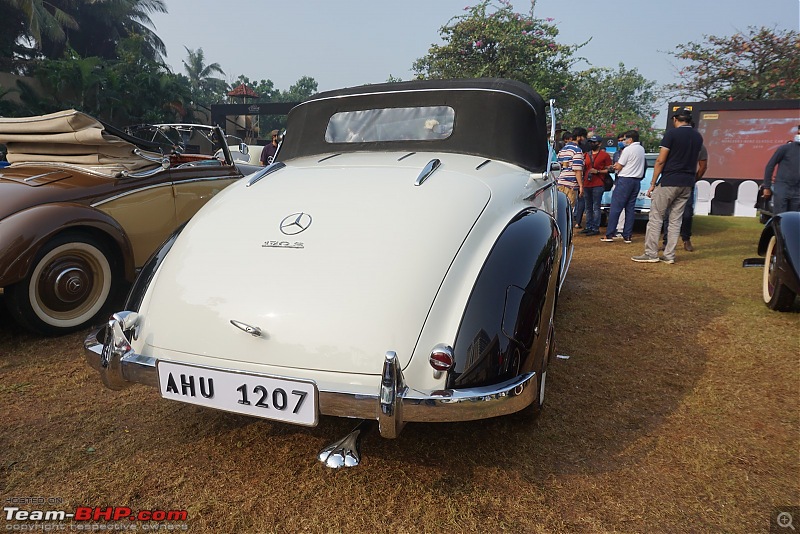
{"x":352,"y":275}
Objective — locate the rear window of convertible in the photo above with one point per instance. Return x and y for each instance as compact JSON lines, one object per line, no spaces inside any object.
{"x":391,"y":124}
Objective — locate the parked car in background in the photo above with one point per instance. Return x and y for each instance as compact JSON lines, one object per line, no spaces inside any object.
{"x":85,"y":204}
{"x":393,"y":266}
{"x":244,"y":154}
{"x":780,"y":247}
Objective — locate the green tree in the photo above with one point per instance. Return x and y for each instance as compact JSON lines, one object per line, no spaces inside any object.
{"x":77,"y":81}
{"x":160,"y":95}
{"x":92,"y":28}
{"x":44,"y":21}
{"x":204,"y":87}
{"x":297,"y":92}
{"x":300,"y":90}
{"x":12,"y":42}
{"x":607,"y":102}
{"x":131,"y":89}
{"x":102,"y":24}
{"x":762,"y":64}
{"x":492,"y":40}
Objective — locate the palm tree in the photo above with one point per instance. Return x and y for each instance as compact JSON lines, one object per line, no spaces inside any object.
{"x":204,"y":87}
{"x":46,"y":21}
{"x":89,"y":27}
{"x":102,"y":24}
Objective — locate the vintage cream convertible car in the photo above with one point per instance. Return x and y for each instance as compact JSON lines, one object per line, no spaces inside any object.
{"x":401,"y":262}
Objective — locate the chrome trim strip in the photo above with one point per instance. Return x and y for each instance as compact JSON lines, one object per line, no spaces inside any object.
{"x":402,"y":404}
{"x":88,"y":169}
{"x":329,"y":157}
{"x":278,"y":165}
{"x":206,"y":179}
{"x":482,"y":165}
{"x":401,"y":158}
{"x":429,"y":169}
{"x":32,"y":178}
{"x":134,"y":191}
{"x":551,"y":149}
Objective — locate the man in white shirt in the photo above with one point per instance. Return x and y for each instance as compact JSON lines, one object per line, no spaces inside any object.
{"x":630,"y":171}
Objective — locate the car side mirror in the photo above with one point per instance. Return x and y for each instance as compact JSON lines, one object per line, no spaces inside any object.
{"x":244,"y":149}
{"x":555,"y":167}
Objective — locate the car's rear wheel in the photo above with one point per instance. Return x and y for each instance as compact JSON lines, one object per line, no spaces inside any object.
{"x":71,"y":279}
{"x":776,"y":295}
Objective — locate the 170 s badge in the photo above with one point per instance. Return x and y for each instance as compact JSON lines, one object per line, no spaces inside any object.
{"x":282,"y":244}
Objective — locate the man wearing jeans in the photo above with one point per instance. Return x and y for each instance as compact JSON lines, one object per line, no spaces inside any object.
{"x":630,"y":171}
{"x":596,"y":164}
{"x":677,"y":167}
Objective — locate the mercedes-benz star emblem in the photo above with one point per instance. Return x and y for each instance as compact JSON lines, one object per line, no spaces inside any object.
{"x":295,"y":223}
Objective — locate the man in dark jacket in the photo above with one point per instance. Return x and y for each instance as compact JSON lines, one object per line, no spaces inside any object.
{"x":786,"y":188}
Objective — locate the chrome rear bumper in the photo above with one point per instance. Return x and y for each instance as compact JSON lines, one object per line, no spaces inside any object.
{"x":107,"y":350}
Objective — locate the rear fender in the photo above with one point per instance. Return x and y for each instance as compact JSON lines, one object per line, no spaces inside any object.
{"x":504,"y":328}
{"x":23,"y":234}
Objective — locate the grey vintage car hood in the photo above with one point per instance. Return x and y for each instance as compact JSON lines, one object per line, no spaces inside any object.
{"x":353,"y":278}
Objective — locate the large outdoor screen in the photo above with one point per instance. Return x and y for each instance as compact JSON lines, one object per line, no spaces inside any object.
{"x":740,"y":142}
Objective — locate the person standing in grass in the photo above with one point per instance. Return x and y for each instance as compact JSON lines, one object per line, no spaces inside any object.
{"x":579,"y":136}
{"x":688,"y":212}
{"x":674,"y":175}
{"x":630,"y":170}
{"x":614,"y":159}
{"x":570,"y":180}
{"x":787,"y":179}
{"x":596,"y":162}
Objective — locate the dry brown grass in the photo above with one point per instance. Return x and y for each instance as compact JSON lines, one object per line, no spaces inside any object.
{"x":677,"y":411}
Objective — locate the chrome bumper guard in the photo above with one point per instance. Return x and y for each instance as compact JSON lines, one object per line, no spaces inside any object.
{"x":108,"y":351}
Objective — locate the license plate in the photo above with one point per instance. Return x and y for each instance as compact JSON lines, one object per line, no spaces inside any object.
{"x":269,"y":397}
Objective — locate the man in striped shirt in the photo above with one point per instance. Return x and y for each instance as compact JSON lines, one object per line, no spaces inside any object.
{"x":570,"y":181}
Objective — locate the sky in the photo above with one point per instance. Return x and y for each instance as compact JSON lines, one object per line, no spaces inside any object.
{"x":353,"y":42}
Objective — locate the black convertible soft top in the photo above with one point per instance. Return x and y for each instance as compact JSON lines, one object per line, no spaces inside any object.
{"x":494,"y":118}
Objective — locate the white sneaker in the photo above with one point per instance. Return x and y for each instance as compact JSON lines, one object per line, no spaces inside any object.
{"x":644,"y":258}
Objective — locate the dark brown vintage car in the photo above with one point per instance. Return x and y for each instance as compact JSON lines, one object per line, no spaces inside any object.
{"x":83,"y":205}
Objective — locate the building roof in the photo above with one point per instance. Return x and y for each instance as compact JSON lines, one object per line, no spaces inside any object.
{"x":242,"y":91}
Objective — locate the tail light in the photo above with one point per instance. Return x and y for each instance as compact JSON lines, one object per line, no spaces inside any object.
{"x":441,"y":358}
